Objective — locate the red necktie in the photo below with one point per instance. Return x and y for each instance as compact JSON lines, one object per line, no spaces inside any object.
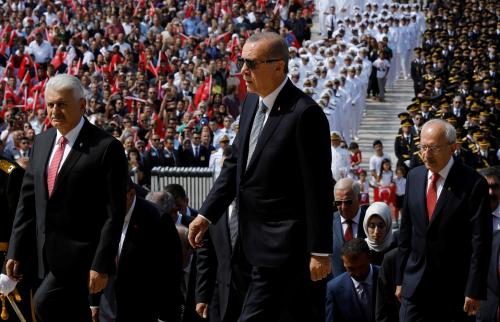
{"x":348,"y":235}
{"x":54,"y":165}
{"x":432,"y":195}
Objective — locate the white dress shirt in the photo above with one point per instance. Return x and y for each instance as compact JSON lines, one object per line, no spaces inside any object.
{"x":496,"y":219}
{"x":270,"y":99}
{"x":443,"y":174}
{"x":355,"y":224}
{"x":368,"y":281}
{"x":71,"y":137}
{"x":126,"y":221}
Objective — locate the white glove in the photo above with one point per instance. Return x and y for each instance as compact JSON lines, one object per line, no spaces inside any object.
{"x":7,"y":285}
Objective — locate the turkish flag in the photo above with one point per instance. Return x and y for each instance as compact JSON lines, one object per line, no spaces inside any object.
{"x":203,"y":92}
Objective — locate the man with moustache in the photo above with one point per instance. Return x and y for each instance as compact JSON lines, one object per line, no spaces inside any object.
{"x":445,"y":235}
{"x":282,"y":183}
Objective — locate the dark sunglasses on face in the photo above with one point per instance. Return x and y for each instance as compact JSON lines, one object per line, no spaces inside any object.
{"x":345,"y":202}
{"x":252,"y":64}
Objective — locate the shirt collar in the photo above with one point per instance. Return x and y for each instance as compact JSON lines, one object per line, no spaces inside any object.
{"x":355,"y":219}
{"x":367,"y":281}
{"x":72,"y":135}
{"x":444,"y":172}
{"x":496,"y":212}
{"x":271,"y":98}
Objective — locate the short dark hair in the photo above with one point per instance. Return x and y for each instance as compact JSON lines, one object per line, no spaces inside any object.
{"x":176,"y":190}
{"x":355,"y":248}
{"x":377,"y":142}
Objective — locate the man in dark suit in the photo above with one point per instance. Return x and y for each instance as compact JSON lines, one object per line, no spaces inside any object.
{"x":71,"y":207}
{"x":351,"y":296}
{"x":445,"y":236}
{"x":489,"y":308}
{"x":347,"y":221}
{"x":282,"y":182}
{"x":223,"y":274}
{"x":130,"y":296}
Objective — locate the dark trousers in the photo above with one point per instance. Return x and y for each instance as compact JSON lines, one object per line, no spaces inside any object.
{"x":430,"y":310}
{"x":284,"y":293}
{"x":59,"y":300}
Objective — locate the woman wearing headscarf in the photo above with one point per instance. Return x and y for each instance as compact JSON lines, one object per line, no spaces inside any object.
{"x":378,"y":229}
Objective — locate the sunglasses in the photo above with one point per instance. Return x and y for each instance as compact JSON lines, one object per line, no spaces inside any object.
{"x":252,"y":64}
{"x":345,"y":202}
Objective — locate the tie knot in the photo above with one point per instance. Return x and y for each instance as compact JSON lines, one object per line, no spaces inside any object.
{"x":349,"y":222}
{"x":263,"y":107}
{"x":435,"y":177}
{"x":62,"y":141}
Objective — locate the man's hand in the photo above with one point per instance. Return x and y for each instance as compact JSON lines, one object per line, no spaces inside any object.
{"x":197,"y":229}
{"x":320,"y":267}
{"x":95,"y":314}
{"x":471,"y":306}
{"x":13,"y":270}
{"x":398,"y":292}
{"x":202,"y":310}
{"x":97,"y":281}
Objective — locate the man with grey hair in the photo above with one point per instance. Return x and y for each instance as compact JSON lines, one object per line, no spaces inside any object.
{"x":284,"y":220}
{"x":445,"y":235}
{"x":71,"y":208}
{"x":347,"y":220}
{"x":165,"y":202}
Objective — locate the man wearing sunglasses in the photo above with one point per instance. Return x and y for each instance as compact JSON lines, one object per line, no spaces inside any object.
{"x":282,"y":183}
{"x":347,"y":220}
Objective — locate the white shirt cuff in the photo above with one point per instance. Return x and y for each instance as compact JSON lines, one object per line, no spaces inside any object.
{"x":205,"y":218}
{"x":320,"y":254}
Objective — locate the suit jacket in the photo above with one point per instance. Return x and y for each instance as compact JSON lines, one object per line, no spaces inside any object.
{"x":338,"y":240}
{"x":451,"y":252}
{"x":342,"y":302}
{"x":147,"y":281}
{"x":85,"y":212}
{"x":387,"y":305}
{"x":488,"y":310}
{"x":284,"y":195}
{"x":220,"y":269}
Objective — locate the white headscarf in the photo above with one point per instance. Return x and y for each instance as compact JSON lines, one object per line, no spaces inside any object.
{"x":383,"y":211}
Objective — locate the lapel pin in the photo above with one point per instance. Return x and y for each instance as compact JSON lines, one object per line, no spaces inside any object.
{"x":81,"y":144}
{"x":279,"y":108}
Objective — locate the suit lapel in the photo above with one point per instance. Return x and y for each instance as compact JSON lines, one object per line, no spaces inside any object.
{"x":247,"y":116}
{"x":280,"y":107}
{"x":446,"y":194}
{"x":76,"y":151}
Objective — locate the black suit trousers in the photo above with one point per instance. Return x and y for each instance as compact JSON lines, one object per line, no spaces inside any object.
{"x":284,"y":293}
{"x":58,"y":301}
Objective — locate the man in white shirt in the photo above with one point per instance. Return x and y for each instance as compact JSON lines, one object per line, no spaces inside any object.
{"x":41,"y":49}
{"x":341,"y":161}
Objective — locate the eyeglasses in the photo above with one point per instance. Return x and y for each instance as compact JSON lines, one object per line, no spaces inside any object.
{"x":430,"y":148}
{"x":252,"y":64}
{"x":345,"y":202}
{"x":380,"y":225}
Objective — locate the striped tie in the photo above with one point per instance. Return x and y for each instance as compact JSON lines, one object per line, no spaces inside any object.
{"x":258,"y":123}
{"x":54,"y":165}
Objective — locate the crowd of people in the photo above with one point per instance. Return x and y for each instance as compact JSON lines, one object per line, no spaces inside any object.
{"x":167,"y":79}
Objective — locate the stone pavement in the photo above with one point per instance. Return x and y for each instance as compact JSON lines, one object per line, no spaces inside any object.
{"x":381,"y":122}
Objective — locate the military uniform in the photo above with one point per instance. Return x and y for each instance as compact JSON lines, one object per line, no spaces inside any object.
{"x":11,"y":178}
